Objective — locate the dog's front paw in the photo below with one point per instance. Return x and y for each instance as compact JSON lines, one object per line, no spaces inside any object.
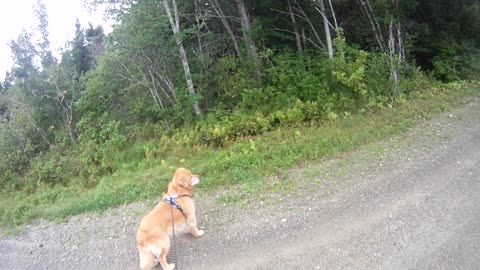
{"x":201,"y":232}
{"x":171,"y":266}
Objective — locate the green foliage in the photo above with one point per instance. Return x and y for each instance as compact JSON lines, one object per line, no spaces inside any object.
{"x":15,"y":159}
{"x":415,"y":80}
{"x":99,"y":149}
{"x":78,"y":59}
{"x":230,"y":81}
{"x":349,"y":65}
{"x":446,"y":62}
{"x":69,"y":128}
{"x":352,"y":75}
{"x":297,"y":78}
{"x":447,"y":38}
{"x":101,"y":89}
{"x":51,"y":168}
{"x":241,"y":163}
{"x":377,"y":79}
{"x":265,"y":99}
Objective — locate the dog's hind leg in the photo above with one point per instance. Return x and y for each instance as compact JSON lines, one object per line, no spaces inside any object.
{"x":163,"y":259}
{"x":147,"y":259}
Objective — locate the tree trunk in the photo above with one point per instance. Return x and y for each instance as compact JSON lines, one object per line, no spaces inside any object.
{"x":400,"y":46}
{"x":393,"y":61}
{"x":175,"y":25}
{"x":333,"y":15}
{"x":70,"y":116}
{"x":313,"y":28}
{"x":218,"y":10}
{"x":295,"y":28}
{"x":327,"y":29}
{"x":304,"y":37}
{"x":249,"y":43}
{"x":366,"y":7}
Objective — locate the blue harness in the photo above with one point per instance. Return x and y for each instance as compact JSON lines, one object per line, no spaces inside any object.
{"x":171,"y":200}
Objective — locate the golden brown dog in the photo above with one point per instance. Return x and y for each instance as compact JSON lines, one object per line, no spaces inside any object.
{"x":153,"y":235}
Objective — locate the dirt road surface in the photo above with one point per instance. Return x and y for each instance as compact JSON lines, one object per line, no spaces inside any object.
{"x":408,"y":202}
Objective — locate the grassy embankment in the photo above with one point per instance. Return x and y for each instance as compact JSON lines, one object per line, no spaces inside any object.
{"x":245,"y":162}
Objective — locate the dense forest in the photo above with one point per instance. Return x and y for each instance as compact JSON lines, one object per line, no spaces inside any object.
{"x":207,"y":72}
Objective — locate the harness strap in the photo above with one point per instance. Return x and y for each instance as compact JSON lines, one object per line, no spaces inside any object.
{"x":175,"y":255}
{"x":171,"y":200}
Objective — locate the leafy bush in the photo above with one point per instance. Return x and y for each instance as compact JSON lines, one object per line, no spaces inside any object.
{"x":230,"y":79}
{"x":415,"y":80}
{"x":445,"y":66}
{"x":264,"y":99}
{"x":16,"y":157}
{"x":469,"y":68}
{"x":54,"y":167}
{"x":305,"y":78}
{"x":377,"y":76}
{"x":349,"y":86}
{"x":98,"y":148}
{"x":299,"y":90}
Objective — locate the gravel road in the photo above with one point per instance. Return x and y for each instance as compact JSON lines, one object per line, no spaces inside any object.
{"x":408,"y":202}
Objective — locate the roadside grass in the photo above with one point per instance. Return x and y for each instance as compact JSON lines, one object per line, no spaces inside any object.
{"x":244,"y":163}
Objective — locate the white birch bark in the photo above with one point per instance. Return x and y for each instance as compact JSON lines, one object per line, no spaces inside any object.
{"x":175,"y":25}
{"x":218,"y":10}
{"x":333,"y":14}
{"x":393,"y":61}
{"x":246,"y":29}
{"x":295,"y":28}
{"x":377,"y":31}
{"x":326,"y":26}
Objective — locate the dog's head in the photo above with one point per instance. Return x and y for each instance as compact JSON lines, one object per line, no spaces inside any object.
{"x":185,"y":179}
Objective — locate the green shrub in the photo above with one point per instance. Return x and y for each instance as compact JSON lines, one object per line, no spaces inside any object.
{"x":264,"y":99}
{"x":377,"y":76}
{"x":16,"y":157}
{"x":52,"y":168}
{"x":415,"y":80}
{"x":349,"y":65}
{"x":469,"y":69}
{"x":305,"y":78}
{"x":446,"y":61}
{"x":98,"y":149}
{"x":445,"y":67}
{"x":230,"y":79}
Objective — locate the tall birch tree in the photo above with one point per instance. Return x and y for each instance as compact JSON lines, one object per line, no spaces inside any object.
{"x":174,"y":20}
{"x":247,"y":37}
{"x":326,"y":26}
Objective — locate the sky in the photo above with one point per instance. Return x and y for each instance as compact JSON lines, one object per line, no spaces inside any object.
{"x":16,"y":15}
